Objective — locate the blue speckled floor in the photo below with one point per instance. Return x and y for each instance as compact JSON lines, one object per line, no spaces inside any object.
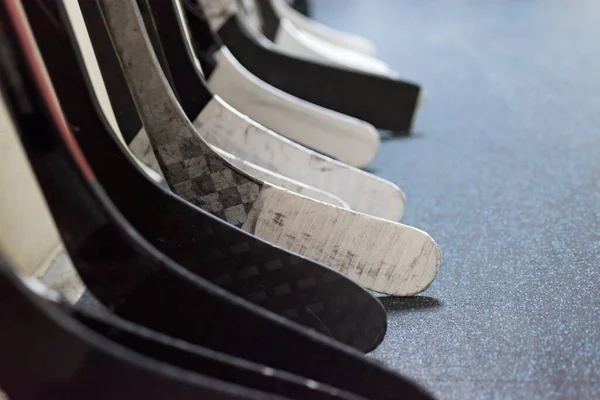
{"x":504,"y":172}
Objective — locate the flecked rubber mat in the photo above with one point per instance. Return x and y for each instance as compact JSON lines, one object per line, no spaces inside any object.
{"x":503,"y":170}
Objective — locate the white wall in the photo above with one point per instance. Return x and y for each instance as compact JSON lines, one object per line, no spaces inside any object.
{"x":28,"y":236}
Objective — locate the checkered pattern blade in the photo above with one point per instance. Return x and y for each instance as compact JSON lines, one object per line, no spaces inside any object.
{"x":194,"y":172}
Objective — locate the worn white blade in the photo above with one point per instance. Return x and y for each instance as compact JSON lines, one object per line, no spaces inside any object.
{"x":226,"y":128}
{"x":345,"y":138}
{"x":142,"y":149}
{"x":384,"y":256}
{"x":340,"y":136}
{"x":230,"y":131}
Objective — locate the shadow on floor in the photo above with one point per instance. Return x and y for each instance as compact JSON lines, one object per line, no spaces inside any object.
{"x":417,"y":303}
{"x":391,"y":135}
{"x":370,"y":170}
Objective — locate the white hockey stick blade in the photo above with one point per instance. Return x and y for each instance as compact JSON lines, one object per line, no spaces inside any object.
{"x":387,"y":257}
{"x":140,"y":146}
{"x":226,"y":128}
{"x":345,"y":138}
